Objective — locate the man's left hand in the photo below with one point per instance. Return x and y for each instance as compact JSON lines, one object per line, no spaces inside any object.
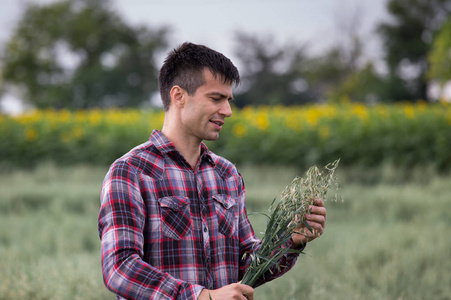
{"x":316,"y":220}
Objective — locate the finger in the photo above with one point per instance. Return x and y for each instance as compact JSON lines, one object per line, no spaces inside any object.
{"x":318,"y":228}
{"x":315,"y":220}
{"x":319,"y":202}
{"x":318,"y":219}
{"x":247,"y":291}
{"x":248,"y":297}
{"x":318,"y":210}
{"x":317,"y":215}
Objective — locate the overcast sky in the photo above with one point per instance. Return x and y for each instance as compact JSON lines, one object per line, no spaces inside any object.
{"x":211,"y":22}
{"x":317,"y":24}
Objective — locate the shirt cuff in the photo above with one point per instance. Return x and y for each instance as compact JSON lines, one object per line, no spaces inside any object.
{"x":197,"y":289}
{"x":292,"y":245}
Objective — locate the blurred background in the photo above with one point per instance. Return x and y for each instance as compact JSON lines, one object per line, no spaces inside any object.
{"x":368,"y":82}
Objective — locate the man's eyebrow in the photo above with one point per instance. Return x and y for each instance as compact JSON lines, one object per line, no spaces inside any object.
{"x":221,"y":95}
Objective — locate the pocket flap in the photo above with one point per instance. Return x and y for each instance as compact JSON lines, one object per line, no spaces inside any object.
{"x":225,"y":200}
{"x":174,"y":202}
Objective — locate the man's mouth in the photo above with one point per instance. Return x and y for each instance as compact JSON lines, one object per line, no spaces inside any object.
{"x":218,"y":123}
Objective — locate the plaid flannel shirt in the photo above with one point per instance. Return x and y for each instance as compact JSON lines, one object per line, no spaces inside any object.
{"x":167,"y":231}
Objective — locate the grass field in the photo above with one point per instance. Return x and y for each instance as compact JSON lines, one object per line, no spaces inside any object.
{"x":390,"y":239}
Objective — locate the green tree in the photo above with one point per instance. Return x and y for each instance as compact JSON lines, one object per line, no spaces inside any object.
{"x":343,"y":71}
{"x":407,"y":41}
{"x":363,"y":85}
{"x":440,"y":55}
{"x":271,"y":74}
{"x":327,"y":72}
{"x":81,"y":54}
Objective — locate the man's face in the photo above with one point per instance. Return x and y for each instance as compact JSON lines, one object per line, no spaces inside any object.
{"x":204,"y":112}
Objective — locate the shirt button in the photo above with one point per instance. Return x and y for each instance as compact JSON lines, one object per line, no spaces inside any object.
{"x":205,"y":229}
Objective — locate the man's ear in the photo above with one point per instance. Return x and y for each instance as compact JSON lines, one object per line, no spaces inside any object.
{"x":177,"y":95}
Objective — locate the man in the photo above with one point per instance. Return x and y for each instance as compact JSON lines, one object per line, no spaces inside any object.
{"x":173,"y":222}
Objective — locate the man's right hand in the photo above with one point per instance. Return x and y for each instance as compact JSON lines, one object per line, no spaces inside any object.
{"x":234,"y":291}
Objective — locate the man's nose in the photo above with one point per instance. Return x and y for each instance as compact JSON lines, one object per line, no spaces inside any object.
{"x":226,"y":109}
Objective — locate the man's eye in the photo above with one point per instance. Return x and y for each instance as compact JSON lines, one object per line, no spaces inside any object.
{"x":216,"y":99}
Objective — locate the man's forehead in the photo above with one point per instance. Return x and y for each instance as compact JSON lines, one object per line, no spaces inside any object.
{"x":207,"y":73}
{"x":217,"y":82}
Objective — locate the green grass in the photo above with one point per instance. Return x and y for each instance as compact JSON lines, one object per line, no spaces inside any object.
{"x":49,"y":247}
{"x":389,"y":239}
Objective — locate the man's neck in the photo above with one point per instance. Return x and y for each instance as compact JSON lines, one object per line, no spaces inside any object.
{"x":189,"y":148}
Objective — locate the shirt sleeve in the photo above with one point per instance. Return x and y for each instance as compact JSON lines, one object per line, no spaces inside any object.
{"x":250,"y":243}
{"x":121,"y":223}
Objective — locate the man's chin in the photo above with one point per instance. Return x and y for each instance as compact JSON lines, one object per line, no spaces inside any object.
{"x":211,"y":137}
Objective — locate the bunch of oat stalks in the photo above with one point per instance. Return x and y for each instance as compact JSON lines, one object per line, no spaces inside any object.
{"x":286,"y":215}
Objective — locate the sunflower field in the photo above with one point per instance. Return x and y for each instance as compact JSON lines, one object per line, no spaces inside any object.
{"x":405,"y":134}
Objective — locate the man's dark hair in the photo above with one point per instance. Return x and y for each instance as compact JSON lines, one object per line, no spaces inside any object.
{"x":184,"y":67}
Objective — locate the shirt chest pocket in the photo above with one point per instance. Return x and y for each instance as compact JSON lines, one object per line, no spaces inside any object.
{"x":175,"y":216}
{"x":225,"y":213}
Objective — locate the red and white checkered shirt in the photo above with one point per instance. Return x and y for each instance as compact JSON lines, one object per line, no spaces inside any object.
{"x":167,"y":231}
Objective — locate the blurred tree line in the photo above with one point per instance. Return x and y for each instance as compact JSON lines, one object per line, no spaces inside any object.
{"x":81,"y":54}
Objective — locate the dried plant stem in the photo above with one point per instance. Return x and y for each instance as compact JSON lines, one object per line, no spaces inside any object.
{"x":285,"y":216}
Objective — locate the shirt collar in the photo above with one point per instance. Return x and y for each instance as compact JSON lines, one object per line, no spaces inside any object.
{"x":165,"y":146}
